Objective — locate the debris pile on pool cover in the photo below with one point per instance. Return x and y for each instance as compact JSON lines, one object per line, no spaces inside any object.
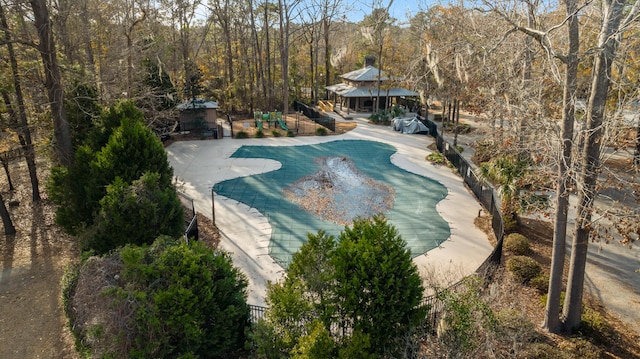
{"x":339,"y":192}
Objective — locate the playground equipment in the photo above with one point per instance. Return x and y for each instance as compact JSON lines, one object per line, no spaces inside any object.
{"x":283,"y":125}
{"x":260,"y":118}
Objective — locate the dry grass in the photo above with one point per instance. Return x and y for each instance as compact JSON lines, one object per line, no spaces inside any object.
{"x":505,"y":294}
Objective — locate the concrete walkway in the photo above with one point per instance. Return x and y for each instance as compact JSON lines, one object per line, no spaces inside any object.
{"x":198,"y":165}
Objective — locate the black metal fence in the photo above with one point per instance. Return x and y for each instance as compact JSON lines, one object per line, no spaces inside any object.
{"x":315,"y":116}
{"x":485,"y":195}
{"x":483,"y":192}
{"x":191,"y":218}
{"x":256,"y":312}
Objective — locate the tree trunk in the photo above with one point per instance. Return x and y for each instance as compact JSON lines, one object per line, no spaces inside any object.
{"x":6,"y":218}
{"x":42,"y":22}
{"x":327,"y":52}
{"x":456,"y":115}
{"x":5,"y":165}
{"x":552,"y":321}
{"x":246,"y":76}
{"x":257,"y":63}
{"x":284,"y":53}
{"x":268,"y":52}
{"x":86,"y":37}
{"x":636,"y":156}
{"x":607,"y":43}
{"x":313,"y":84}
{"x":229,"y":50}
{"x":21,"y":126}
{"x":379,"y":74}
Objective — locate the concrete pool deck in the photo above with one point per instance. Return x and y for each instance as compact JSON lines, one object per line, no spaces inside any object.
{"x":245,"y":232}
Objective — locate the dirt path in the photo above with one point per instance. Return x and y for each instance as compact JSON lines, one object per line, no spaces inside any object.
{"x":32,"y":323}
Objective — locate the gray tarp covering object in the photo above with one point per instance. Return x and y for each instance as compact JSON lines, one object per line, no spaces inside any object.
{"x":409,"y":125}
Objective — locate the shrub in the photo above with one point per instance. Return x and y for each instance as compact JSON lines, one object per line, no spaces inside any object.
{"x":541,"y":283}
{"x":275,"y":133}
{"x":191,"y":300}
{"x":321,"y":131}
{"x":379,"y":302}
{"x":517,"y":244}
{"x":259,"y":134}
{"x":467,"y":320}
{"x":167,"y":300}
{"x":317,"y":344}
{"x":125,"y":151}
{"x":136,"y":213}
{"x":437,"y":158}
{"x":581,"y":348}
{"x":459,"y":149}
{"x":594,"y":326}
{"x":485,"y":151}
{"x":290,"y":133}
{"x":510,"y":223}
{"x":83,"y":109}
{"x":515,"y":330}
{"x":387,"y":301}
{"x":523,"y":268}
{"x":381,"y":118}
{"x":242,"y":134}
{"x":397,"y":111}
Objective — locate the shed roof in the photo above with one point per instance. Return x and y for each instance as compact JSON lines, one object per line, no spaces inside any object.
{"x":198,"y":103}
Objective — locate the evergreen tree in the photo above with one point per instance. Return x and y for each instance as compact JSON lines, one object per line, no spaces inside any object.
{"x":191,"y":301}
{"x":83,"y":110}
{"x":378,"y":287}
{"x":366,"y":284}
{"x":161,"y":94}
{"x":120,"y":146}
{"x":136,"y":214}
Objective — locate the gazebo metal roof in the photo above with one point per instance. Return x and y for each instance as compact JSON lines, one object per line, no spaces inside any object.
{"x":365,"y":74}
{"x":345,"y":90}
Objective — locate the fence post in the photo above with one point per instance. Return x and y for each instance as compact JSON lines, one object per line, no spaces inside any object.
{"x":213,"y":208}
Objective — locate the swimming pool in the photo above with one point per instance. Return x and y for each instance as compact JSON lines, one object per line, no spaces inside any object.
{"x":414,"y":206}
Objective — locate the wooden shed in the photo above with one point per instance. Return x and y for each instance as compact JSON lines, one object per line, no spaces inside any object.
{"x":198,"y":114}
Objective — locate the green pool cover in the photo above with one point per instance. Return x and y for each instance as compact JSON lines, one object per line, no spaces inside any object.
{"x":414,"y":206}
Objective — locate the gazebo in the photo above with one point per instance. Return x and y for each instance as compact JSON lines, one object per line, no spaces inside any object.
{"x":359,"y":90}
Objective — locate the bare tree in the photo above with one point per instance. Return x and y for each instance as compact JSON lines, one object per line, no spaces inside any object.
{"x":129,"y":25}
{"x":286,"y":9}
{"x":614,"y":23}
{"x":331,"y":10}
{"x":53,"y":83}
{"x":552,"y":321}
{"x":182,"y":14}
{"x":374,"y":28}
{"x":19,"y":121}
